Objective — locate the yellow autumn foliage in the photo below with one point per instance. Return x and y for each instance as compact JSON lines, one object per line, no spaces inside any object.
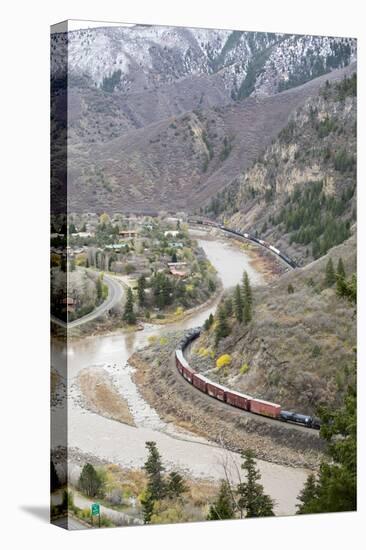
{"x":223,"y":361}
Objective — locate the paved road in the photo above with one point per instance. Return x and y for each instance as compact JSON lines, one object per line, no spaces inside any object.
{"x":70,"y":523}
{"x":115,"y":293}
{"x":117,"y":517}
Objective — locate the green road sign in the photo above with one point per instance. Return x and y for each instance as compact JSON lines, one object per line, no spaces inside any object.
{"x":95,"y":509}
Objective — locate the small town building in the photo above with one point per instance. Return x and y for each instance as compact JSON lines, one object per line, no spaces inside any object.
{"x":177,"y":272}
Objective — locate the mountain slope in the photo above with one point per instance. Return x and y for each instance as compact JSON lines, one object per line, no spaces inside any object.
{"x":131,"y":85}
{"x":300,"y":193}
{"x":178,"y":161}
{"x":298,"y":350}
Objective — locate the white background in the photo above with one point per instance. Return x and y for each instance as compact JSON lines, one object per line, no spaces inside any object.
{"x":24,"y":309}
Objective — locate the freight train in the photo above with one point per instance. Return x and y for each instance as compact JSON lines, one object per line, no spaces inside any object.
{"x":232,"y":397}
{"x":249,"y":237}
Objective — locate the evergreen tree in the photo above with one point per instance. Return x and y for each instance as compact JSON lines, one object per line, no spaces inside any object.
{"x":141,"y":286}
{"x":129,"y":314}
{"x":147,"y":503}
{"x":229,"y":307}
{"x":247,"y":312}
{"x":247,"y":291}
{"x":174,"y":257}
{"x":209,"y":322}
{"x":330,"y":277}
{"x":308,"y":493}
{"x":335,"y":488}
{"x":162,"y":290}
{"x":175,"y":485}
{"x":223,"y":506}
{"x":253,"y":502}
{"x":222,"y":327}
{"x":238,"y":304}
{"x":347,"y":288}
{"x":156,"y":485}
{"x":340,"y":269}
{"x":89,"y":481}
{"x":155,"y":472}
{"x":247,"y":299}
{"x":99,"y":286}
{"x":290,"y":289}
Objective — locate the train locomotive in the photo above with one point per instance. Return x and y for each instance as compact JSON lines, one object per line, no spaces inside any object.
{"x":232,"y":397}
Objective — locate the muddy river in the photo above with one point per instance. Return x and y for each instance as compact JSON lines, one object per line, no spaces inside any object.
{"x":125,"y":445}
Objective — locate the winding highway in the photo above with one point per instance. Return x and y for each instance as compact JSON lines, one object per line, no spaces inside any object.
{"x":115,"y":293}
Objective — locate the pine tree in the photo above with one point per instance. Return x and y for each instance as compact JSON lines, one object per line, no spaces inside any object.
{"x":147,"y":503}
{"x":247,"y":299}
{"x":341,"y":272}
{"x":156,"y":485}
{"x":308,"y":493}
{"x":209,"y":322}
{"x":141,"y":286}
{"x":330,"y":277}
{"x":336,"y":484}
{"x":238,"y":304}
{"x":253,"y":502}
{"x":247,"y":291}
{"x":129,"y":314}
{"x":247,"y":313}
{"x":347,"y":288}
{"x":89,"y":481}
{"x":175,"y":485}
{"x":229,"y":307}
{"x":174,"y":257}
{"x":99,"y":285}
{"x":222,"y":327}
{"x":223,"y":506}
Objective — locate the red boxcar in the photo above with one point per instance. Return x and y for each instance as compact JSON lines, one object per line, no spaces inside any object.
{"x":179,"y":359}
{"x":238,"y":399}
{"x":200,"y":382}
{"x":188,"y":373}
{"x":217,"y":391}
{"x":265,"y":408}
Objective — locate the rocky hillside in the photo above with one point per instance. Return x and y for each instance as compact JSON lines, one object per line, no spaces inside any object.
{"x":167,"y":116}
{"x":298,"y":349}
{"x":174,"y":163}
{"x":301,"y":192}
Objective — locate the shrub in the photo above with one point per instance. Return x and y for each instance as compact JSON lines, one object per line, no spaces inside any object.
{"x":244,"y":368}
{"x":223,"y":361}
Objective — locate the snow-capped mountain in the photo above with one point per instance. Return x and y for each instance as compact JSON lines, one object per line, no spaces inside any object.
{"x":131,"y":59}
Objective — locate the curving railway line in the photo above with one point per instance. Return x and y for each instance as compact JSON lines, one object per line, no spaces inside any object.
{"x":221,"y":393}
{"x":249,"y":237}
{"x":234,"y":398}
